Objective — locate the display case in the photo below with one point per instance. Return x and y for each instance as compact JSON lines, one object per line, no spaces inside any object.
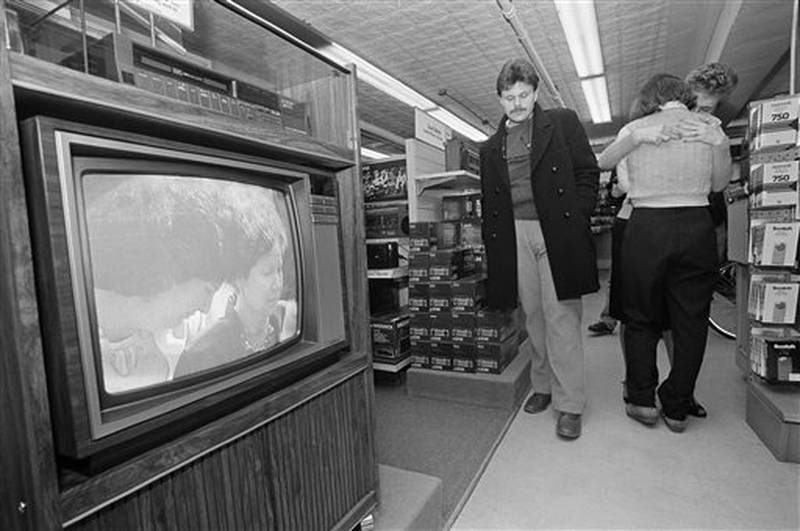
{"x":770,"y":338}
{"x":149,"y":108}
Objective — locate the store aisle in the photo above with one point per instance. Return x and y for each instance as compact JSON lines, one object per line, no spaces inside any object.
{"x":622,"y":475}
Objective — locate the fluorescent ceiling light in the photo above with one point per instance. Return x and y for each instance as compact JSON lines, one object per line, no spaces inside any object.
{"x":579,"y":21}
{"x":387,"y":84}
{"x":372,"y":154}
{"x":596,"y":94}
{"x":457,"y":124}
{"x":377,"y":78}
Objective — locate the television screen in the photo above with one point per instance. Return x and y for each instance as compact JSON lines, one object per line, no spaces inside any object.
{"x":176,"y":282}
{"x":189,"y":274}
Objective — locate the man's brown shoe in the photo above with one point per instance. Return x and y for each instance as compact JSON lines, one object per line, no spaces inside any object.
{"x":568,"y":425}
{"x":537,"y":403}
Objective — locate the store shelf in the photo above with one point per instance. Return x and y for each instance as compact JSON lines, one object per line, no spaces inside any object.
{"x":773,"y":412}
{"x":385,"y":203}
{"x":449,"y":180}
{"x":389,"y":239}
{"x":394,"y":272}
{"x":386,"y":366}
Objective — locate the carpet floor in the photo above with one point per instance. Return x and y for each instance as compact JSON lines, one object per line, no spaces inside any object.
{"x":438,"y":438}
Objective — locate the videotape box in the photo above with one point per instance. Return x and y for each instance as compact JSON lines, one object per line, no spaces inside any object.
{"x":463,"y":364}
{"x":419,"y":327}
{"x":421,"y":235}
{"x":438,"y":297}
{"x":774,"y":244}
{"x":420,"y":354}
{"x":461,"y":206}
{"x":493,"y":326}
{"x":448,"y":234}
{"x":460,"y":155}
{"x":470,"y":232}
{"x":493,"y":357}
{"x":384,"y":255}
{"x":775,"y":360}
{"x":387,"y":294}
{"x":418,"y":264}
{"x":462,"y":327}
{"x":773,"y":297}
{"x":441,"y":356}
{"x":773,"y":124}
{"x":383,"y":220}
{"x":390,"y":336}
{"x":418,"y":297}
{"x":467,"y":294}
{"x":446,"y":264}
{"x":463,"y":359}
{"x":439,"y":326}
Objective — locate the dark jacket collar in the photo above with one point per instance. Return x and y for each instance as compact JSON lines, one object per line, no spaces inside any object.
{"x":542,"y":131}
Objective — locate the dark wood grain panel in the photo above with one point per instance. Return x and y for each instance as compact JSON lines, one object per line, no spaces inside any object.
{"x":28,"y":499}
{"x":312,"y":468}
{"x":132,"y":475}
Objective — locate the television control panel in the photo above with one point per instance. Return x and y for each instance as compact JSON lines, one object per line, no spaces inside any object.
{"x":324,"y":210}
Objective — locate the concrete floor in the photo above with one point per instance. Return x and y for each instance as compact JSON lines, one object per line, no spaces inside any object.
{"x":622,"y":475}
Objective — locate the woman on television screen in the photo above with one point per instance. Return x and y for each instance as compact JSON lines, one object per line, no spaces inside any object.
{"x":249,"y":311}
{"x":188,"y":275}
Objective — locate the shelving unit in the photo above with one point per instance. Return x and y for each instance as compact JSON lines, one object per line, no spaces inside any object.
{"x":385,"y":202}
{"x":390,"y":273}
{"x":391,"y":367}
{"x":448,"y":180}
{"x":768,"y":336}
{"x":425,"y":192}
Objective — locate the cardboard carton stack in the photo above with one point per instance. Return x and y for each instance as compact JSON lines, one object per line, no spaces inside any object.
{"x":449,"y":328}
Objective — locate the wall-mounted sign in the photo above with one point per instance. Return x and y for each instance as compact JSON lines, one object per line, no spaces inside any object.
{"x":180,"y":12}
{"x":430,"y":130}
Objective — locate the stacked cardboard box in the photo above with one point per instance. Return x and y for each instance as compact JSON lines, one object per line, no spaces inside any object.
{"x":391,"y":340}
{"x":449,"y":329}
{"x":496,"y":341}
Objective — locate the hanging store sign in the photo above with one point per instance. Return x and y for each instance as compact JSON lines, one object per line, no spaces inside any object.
{"x":430,"y":130}
{"x":180,"y":12}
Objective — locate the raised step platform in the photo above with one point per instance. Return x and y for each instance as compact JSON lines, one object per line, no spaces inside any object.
{"x":409,"y":500}
{"x":773,"y":412}
{"x":499,"y":391}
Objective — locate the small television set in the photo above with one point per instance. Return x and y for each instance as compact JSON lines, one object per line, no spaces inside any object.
{"x":175,"y":282}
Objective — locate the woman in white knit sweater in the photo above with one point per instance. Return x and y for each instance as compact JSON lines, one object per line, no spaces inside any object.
{"x":672,"y":159}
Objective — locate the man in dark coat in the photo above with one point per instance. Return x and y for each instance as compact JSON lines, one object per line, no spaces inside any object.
{"x":539,"y":179}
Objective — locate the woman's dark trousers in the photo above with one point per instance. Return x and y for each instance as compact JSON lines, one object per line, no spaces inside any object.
{"x":670,"y":266}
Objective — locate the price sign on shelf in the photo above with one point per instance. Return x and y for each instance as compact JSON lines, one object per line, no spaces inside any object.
{"x":781,"y":111}
{"x":180,"y":12}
